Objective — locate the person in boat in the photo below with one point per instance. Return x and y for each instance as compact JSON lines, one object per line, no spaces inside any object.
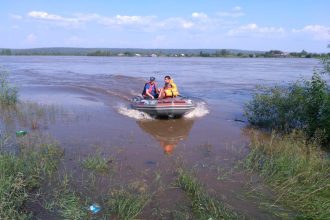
{"x":169,"y":90}
{"x":150,"y":90}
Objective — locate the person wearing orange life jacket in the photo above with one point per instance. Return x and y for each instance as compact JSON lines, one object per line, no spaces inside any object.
{"x":170,"y":89}
{"x":150,"y":90}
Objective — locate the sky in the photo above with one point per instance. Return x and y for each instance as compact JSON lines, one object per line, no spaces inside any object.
{"x":287,"y":25}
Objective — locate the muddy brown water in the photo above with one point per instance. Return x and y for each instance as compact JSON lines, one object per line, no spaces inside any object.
{"x":95,"y":117}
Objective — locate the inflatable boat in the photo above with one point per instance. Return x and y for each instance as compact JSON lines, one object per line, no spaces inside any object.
{"x":168,"y":107}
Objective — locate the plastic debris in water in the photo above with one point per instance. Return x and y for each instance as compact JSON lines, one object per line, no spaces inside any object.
{"x":94,"y":208}
{"x":151,"y":162}
{"x":21,"y":133}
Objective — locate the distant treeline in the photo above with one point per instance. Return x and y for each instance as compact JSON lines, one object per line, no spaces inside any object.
{"x":132,"y":52}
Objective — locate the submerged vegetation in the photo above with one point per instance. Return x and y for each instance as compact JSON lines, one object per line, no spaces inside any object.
{"x":24,"y":171}
{"x":203,"y":205}
{"x":8,"y":93}
{"x":126,"y":205}
{"x":97,"y":163}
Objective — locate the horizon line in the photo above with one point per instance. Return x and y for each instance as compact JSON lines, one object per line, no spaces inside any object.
{"x":139,"y":48}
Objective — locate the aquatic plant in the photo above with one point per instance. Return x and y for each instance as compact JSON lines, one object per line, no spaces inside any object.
{"x":8,"y":93}
{"x":298,"y":173}
{"x":126,"y":205}
{"x":203,"y":205}
{"x":96,"y":162}
{"x":71,"y":207}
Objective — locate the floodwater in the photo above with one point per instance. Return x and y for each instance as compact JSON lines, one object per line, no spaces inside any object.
{"x":93,"y":94}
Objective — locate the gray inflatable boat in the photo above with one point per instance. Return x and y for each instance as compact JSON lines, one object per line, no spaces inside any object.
{"x":168,"y":107}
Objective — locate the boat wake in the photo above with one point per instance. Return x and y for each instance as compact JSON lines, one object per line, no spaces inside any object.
{"x":200,"y":111}
{"x":132,"y":113}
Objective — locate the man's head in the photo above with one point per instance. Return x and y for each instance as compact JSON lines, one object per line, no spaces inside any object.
{"x":168,"y":85}
{"x":167,"y":79}
{"x":152,"y":80}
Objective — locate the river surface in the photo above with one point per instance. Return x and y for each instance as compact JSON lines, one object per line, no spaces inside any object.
{"x":93,"y":95}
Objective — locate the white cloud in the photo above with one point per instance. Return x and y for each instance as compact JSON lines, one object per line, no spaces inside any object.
{"x":174,"y":23}
{"x":187,"y":24}
{"x":125,"y":20}
{"x":234,"y":13}
{"x":255,"y":29}
{"x":78,"y":19}
{"x":319,"y":32}
{"x":237,"y":8}
{"x":197,"y":21}
{"x":31,"y":38}
{"x":45,"y":16}
{"x":199,"y":15}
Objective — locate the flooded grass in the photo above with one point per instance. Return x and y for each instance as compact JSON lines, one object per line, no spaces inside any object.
{"x":70,"y":206}
{"x":21,"y":173}
{"x":297,"y":172}
{"x":97,"y":163}
{"x":8,"y":93}
{"x":203,"y":205}
{"x":126,"y":205}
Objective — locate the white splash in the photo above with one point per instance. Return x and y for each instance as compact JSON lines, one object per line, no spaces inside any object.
{"x":132,"y":113}
{"x":200,"y":111}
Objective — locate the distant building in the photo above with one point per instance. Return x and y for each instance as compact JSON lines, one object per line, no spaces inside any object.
{"x":137,"y":55}
{"x":283,"y":54}
{"x":120,"y":54}
{"x":183,"y":55}
{"x":154,"y":55}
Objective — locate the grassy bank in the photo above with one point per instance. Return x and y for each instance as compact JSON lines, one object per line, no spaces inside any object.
{"x":292,"y":160}
{"x":299,"y":173}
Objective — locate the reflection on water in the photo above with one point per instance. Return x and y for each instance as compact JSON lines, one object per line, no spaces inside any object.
{"x":167,"y":132}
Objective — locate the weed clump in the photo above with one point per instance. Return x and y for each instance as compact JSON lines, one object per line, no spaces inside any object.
{"x":126,"y":205}
{"x":8,"y":93}
{"x":97,"y":163}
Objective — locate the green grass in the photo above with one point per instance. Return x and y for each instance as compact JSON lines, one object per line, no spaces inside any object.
{"x":126,"y":205}
{"x":97,"y":163}
{"x":8,"y":93}
{"x":71,"y":206}
{"x":21,"y":173}
{"x":299,"y":173}
{"x":64,"y":201}
{"x":203,"y":205}
{"x":303,"y":105}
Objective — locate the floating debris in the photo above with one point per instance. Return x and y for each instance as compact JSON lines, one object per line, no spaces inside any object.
{"x":151,"y":162}
{"x":21,"y":133}
{"x":94,"y":208}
